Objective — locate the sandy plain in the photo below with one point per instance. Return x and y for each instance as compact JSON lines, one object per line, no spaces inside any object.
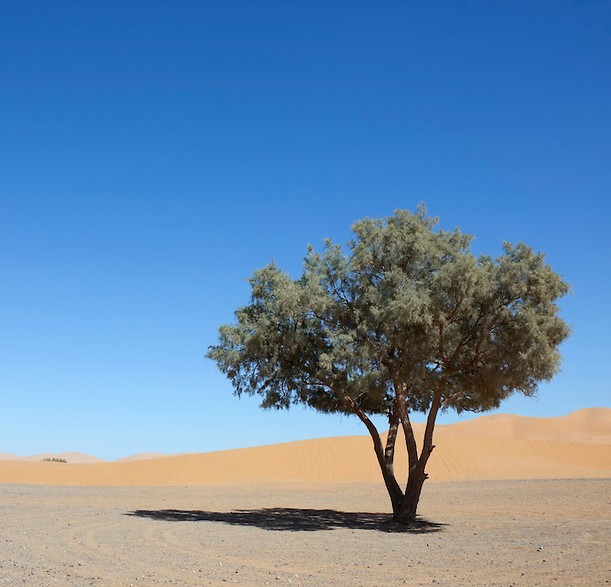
{"x":488,"y":533}
{"x":511,"y":501}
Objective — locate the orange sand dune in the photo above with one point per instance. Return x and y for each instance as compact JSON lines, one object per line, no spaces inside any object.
{"x":143,"y":456}
{"x":491,"y":447}
{"x":591,"y":426}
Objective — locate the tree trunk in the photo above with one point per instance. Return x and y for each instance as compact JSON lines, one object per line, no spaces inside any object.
{"x":407,"y":513}
{"x":384,"y":455}
{"x":417,"y":475}
{"x":404,"y":505}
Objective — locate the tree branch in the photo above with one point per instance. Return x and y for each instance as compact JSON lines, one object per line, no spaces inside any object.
{"x":410,"y":439}
{"x":393,"y":426}
{"x":427,"y":444}
{"x":387,"y":469}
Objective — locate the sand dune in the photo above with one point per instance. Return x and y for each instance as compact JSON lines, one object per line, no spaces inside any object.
{"x":490,"y":447}
{"x":143,"y":456}
{"x":590,"y":426}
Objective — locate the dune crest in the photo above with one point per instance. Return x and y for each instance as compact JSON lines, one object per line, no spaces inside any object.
{"x":589,"y":426}
{"x":489,"y":447}
{"x":142,"y":456}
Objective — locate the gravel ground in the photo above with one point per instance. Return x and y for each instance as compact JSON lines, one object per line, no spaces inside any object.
{"x":472,"y":533}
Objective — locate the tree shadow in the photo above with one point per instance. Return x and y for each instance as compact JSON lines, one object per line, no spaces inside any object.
{"x":293,"y":519}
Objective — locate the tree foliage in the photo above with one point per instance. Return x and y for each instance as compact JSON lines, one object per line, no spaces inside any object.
{"x":407,"y":320}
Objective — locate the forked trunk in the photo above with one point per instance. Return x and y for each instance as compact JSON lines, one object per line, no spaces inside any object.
{"x":404,"y":505}
{"x":406,"y":514}
{"x":409,"y":505}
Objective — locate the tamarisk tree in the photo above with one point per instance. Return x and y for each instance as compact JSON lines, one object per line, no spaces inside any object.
{"x":407,"y":320}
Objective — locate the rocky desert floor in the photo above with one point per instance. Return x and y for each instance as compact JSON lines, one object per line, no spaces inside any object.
{"x":471,"y":533}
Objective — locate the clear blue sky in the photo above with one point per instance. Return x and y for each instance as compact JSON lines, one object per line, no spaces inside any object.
{"x":153,"y":154}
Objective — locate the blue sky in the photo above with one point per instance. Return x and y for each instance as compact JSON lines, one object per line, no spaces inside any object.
{"x":154,"y":154}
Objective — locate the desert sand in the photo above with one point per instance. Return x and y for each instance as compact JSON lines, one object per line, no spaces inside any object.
{"x":491,"y":447}
{"x":511,"y":501}
{"x":486,"y":533}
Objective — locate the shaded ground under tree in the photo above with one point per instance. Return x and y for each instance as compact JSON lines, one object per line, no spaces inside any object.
{"x":293,"y":519}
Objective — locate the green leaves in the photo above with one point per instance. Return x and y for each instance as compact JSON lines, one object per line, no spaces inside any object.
{"x":405,"y":311}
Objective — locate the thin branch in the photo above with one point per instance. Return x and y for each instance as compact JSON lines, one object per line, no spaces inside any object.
{"x":427,"y":444}
{"x":406,"y":425}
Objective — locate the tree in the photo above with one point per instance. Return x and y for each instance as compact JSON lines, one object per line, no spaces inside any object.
{"x":408,"y":320}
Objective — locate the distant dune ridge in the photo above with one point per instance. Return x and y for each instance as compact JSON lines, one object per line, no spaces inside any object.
{"x":489,"y":447}
{"x":70,"y":457}
{"x":143,"y":456}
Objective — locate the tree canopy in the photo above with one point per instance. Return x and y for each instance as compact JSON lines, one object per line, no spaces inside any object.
{"x":408,"y":319}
